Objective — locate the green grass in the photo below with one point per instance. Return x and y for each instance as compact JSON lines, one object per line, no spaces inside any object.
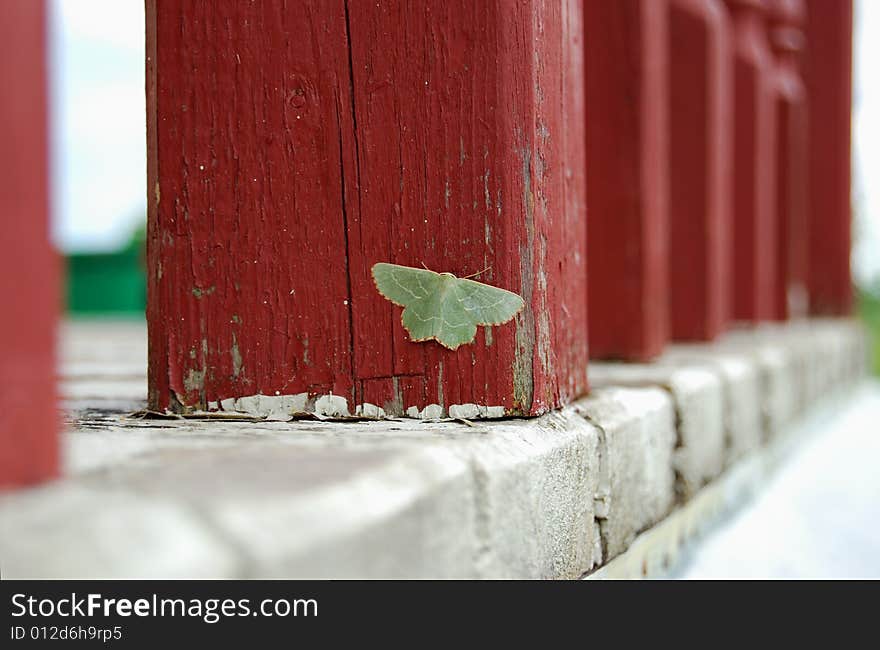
{"x":109,"y":283}
{"x":869,"y":307}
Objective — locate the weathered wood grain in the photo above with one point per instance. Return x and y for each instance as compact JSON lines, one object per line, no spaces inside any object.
{"x":248,"y":283}
{"x":294,"y":145}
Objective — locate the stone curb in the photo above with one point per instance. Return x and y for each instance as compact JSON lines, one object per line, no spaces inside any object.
{"x":552,"y":497}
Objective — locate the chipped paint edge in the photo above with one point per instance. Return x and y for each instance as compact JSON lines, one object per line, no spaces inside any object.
{"x":335,"y":407}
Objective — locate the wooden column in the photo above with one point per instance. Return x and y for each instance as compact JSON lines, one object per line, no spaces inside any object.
{"x":294,"y":145}
{"x":700,"y":158}
{"x":754,"y":234}
{"x":787,"y":41}
{"x":828,"y":75}
{"x":28,"y":266}
{"x":627,"y":166}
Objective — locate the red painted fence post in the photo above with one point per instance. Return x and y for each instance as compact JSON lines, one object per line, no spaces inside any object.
{"x":828,"y":75}
{"x":754,"y":234}
{"x":700,"y":158}
{"x":626,"y":85}
{"x":787,"y":41}
{"x":294,"y":145}
{"x":29,"y":266}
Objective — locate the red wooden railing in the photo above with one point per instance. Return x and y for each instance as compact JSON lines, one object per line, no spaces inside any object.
{"x":678,"y":164}
{"x":627,"y":176}
{"x":451,"y":135}
{"x":700,"y":159}
{"x":28,"y":265}
{"x":787,"y":41}
{"x":828,"y":73}
{"x":754,"y":136}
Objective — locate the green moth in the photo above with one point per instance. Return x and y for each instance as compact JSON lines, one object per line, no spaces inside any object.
{"x":442,"y":307}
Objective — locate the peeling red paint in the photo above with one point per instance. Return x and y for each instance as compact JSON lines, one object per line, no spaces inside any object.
{"x":297,"y":144}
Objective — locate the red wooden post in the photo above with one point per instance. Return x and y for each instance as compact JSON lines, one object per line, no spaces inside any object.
{"x":828,"y":74}
{"x":787,"y":41}
{"x":626,"y":85}
{"x":754,"y":235}
{"x":29,"y":266}
{"x":700,"y":82}
{"x":294,"y":145}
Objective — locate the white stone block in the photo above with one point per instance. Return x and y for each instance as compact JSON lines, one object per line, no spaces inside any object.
{"x":535,"y":483}
{"x":741,"y":390}
{"x":637,"y":480}
{"x":75,"y":530}
{"x":697,"y":398}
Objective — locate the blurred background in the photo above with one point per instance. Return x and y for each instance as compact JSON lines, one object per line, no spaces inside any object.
{"x":866,"y":166}
{"x":99,"y":158}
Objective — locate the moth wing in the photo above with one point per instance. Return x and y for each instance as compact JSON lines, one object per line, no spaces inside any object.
{"x":404,"y":285}
{"x":485,"y":304}
{"x":422,"y":318}
{"x":442,"y":307}
{"x":455,"y":326}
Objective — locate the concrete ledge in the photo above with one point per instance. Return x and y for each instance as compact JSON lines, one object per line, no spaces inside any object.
{"x":666,"y":549}
{"x":698,"y":430}
{"x":553,"y":497}
{"x":740,"y":379}
{"x":636,"y":485}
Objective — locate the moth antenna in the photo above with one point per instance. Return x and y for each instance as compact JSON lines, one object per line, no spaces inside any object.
{"x":473,"y":275}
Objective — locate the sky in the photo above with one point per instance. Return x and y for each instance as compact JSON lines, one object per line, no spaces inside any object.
{"x":866,"y":142}
{"x":99,"y":159}
{"x":98,"y":122}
